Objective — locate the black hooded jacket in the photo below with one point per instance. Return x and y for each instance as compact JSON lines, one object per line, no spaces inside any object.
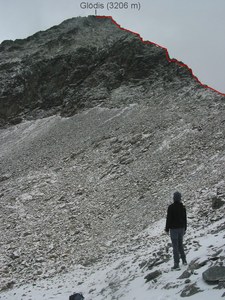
{"x":176,"y":216}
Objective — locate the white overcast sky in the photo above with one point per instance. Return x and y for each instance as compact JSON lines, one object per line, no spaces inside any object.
{"x":193,"y":31}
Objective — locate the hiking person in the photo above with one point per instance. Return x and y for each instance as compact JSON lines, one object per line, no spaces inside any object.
{"x":176,"y":225}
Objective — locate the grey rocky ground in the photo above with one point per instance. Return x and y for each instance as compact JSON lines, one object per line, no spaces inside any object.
{"x":72,"y":192}
{"x":88,"y":167}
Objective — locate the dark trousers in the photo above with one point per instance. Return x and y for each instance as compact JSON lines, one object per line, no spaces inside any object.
{"x":177,"y":242}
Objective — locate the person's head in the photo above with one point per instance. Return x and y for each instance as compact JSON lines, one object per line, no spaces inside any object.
{"x":177,"y":197}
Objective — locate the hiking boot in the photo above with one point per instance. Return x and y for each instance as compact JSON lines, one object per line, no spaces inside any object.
{"x":175,"y":267}
{"x":184,"y":262}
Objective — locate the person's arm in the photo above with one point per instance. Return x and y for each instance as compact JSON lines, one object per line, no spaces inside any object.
{"x":168,"y":217}
{"x":185,"y":219}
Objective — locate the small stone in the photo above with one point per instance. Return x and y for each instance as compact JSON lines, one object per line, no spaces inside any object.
{"x":187,"y":281}
{"x":62,"y":268}
{"x":40,"y":259}
{"x":113,"y":140}
{"x":38,"y":272}
{"x":27,"y":233}
{"x":135,"y":139}
{"x":15,"y":255}
{"x":8,"y":285}
{"x":142,"y":264}
{"x":4,"y":177}
{"x":117,"y":149}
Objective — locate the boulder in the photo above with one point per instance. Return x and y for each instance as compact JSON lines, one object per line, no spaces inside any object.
{"x":185,"y":275}
{"x":190,"y":290}
{"x":217,"y":203}
{"x":152,"y":275}
{"x":214,"y":275}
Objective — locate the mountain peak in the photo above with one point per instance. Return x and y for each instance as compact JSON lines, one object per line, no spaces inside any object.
{"x":79,"y":64}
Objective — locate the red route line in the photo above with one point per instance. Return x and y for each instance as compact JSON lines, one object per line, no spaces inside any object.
{"x":173,"y":60}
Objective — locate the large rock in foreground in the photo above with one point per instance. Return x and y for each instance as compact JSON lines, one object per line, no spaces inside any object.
{"x":214,"y":274}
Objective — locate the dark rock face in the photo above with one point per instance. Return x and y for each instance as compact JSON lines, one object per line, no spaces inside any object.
{"x":80,"y":64}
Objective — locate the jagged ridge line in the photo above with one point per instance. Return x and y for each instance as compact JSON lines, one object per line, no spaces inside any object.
{"x":173,"y":60}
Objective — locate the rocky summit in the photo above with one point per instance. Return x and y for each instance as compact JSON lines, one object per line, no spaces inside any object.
{"x":98,"y":129}
{"x":84,"y":63}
